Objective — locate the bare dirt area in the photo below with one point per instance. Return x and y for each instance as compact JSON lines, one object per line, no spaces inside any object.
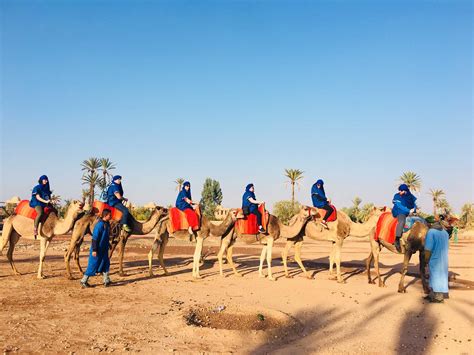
{"x":233,"y":314}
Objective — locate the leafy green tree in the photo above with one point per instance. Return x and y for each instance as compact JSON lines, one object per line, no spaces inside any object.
{"x":436,"y":195}
{"x":357,"y":213}
{"x":211,"y":197}
{"x":412,"y":180}
{"x":141,"y":213}
{"x":179,"y":183}
{"x":285,"y":210}
{"x":294,"y":176}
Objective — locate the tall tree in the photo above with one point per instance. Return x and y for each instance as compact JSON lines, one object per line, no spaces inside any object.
{"x":179,"y":183}
{"x":106,"y":166}
{"x":90,"y":176}
{"x":211,"y":197}
{"x":294,"y":176}
{"x":444,"y":205}
{"x":412,"y":180}
{"x":467,"y":215}
{"x":436,"y":196}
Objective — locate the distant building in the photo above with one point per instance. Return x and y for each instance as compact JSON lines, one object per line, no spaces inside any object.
{"x":221,"y":213}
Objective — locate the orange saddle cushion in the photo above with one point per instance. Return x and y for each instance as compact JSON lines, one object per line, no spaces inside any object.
{"x":24,"y":209}
{"x":386,"y":227}
{"x":248,"y":225}
{"x":99,"y":206}
{"x":332,"y":217}
{"x":178,"y":220}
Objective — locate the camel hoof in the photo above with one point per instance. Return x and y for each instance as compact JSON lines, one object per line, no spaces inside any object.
{"x":197,"y":277}
{"x":262,"y":276}
{"x":402,"y":290}
{"x":371,"y":282}
{"x":309,"y":277}
{"x":288,"y":276}
{"x":271,"y":278}
{"x":16,"y":273}
{"x":150,"y":274}
{"x":123,"y":274}
{"x":238,"y":275}
{"x":69,"y":277}
{"x":381,"y":285}
{"x":332,"y":277}
{"x":341,"y":281}
{"x":41,"y":277}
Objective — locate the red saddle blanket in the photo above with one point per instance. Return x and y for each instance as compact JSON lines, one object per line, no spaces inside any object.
{"x":178,"y":220}
{"x":333,"y":215}
{"x":24,"y":209}
{"x":386,"y":227}
{"x":248,"y":225}
{"x":99,"y":206}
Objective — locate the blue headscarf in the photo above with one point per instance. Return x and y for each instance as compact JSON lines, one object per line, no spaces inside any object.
{"x":404,"y":187}
{"x":116,"y":177}
{"x":318,"y":195}
{"x":187,"y":193}
{"x":46,"y":189}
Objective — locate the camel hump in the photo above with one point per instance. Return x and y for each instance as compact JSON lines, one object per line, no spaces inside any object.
{"x":24,"y":209}
{"x":99,"y":206}
{"x":248,"y":224}
{"x":178,"y":219}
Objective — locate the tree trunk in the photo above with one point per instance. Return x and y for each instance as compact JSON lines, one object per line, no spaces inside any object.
{"x":292,"y":194}
{"x":91,"y":194}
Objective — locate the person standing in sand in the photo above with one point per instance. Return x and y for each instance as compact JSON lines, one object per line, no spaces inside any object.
{"x":99,"y":261}
{"x":436,"y":256}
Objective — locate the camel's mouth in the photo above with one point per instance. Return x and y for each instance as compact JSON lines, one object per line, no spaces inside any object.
{"x":218,"y":317}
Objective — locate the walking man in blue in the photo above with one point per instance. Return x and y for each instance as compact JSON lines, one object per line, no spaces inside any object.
{"x":99,"y":261}
{"x":115,"y":199}
{"x":436,"y":256}
{"x":403,"y":204}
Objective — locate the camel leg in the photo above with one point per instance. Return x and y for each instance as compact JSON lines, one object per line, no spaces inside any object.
{"x":44,"y":242}
{"x":77,"y":252}
{"x":74,"y":245}
{"x":406,"y":260}
{"x":376,"y":252}
{"x":220,"y":254}
{"x":337,"y":257}
{"x":269,"y":259}
{"x":331,"y":261}
{"x":14,"y":238}
{"x":368,"y":263}
{"x":298,"y":247}
{"x":262,"y":259}
{"x":152,"y":251}
{"x":197,"y":257}
{"x":6,"y":234}
{"x":284,"y":257}
{"x":123,"y":242}
{"x":230,"y":260}
{"x":424,"y":281}
{"x":164,"y":243}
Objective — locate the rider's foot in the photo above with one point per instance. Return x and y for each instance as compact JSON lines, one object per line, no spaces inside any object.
{"x":260,"y":229}
{"x":324,"y":224}
{"x":35,"y":233}
{"x":85,"y":284}
{"x":126,"y":228}
{"x":397,"y":245}
{"x":107,"y":283}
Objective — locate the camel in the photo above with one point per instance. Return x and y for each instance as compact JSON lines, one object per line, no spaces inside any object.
{"x":412,"y":241}
{"x":85,"y":225}
{"x":276,"y":229}
{"x":17,"y":226}
{"x":338,"y":231}
{"x":207,"y":229}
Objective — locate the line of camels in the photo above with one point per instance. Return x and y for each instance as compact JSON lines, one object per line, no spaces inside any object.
{"x":305,"y":223}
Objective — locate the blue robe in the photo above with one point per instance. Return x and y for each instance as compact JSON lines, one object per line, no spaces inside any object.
{"x":437,"y":242}
{"x":318,"y":196}
{"x":183,"y":194}
{"x":112,"y":200}
{"x":100,"y":240}
{"x":253,"y":207}
{"x":402,"y":204}
{"x":44,"y":191}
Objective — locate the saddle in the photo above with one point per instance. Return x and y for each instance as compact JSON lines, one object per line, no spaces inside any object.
{"x":322,"y":213}
{"x":99,"y":206}
{"x":387,"y":225}
{"x":248,"y":224}
{"x":178,"y":220}
{"x":24,"y":209}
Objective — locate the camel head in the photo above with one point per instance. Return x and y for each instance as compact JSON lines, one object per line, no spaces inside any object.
{"x":75,"y":207}
{"x":377,"y":211}
{"x":305,"y":213}
{"x":162,"y":210}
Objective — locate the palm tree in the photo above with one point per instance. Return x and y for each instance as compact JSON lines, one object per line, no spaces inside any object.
{"x":436,"y":196}
{"x":90,"y":176}
{"x":294,"y":176}
{"x":467,"y":215}
{"x":179,"y":183}
{"x":444,"y":205}
{"x":412,"y":180}
{"x":106,"y":166}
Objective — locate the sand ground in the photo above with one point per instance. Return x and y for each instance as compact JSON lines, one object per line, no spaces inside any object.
{"x":145,"y":314}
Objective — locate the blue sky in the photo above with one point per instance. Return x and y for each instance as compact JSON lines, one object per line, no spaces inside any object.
{"x":354,"y":92}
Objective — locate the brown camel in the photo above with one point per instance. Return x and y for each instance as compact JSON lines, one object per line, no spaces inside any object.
{"x":412,"y":241}
{"x":275,"y":230}
{"x":338,"y":231}
{"x":207,"y":229}
{"x":17,"y":226}
{"x":85,"y":225}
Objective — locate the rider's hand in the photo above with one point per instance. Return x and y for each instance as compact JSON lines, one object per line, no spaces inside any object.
{"x":329,"y":200}
{"x":94,"y":254}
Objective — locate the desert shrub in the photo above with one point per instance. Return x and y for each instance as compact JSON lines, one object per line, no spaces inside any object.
{"x":285,"y":210}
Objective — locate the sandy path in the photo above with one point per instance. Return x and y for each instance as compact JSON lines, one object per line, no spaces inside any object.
{"x":147,"y":314}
